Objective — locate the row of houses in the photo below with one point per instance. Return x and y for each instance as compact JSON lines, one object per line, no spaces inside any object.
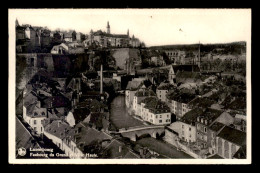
{"x":75,"y":121}
{"x":204,"y":133}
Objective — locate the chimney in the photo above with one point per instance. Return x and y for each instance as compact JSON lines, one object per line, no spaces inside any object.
{"x":39,"y":104}
{"x":120,"y":149}
{"x":101,"y":79}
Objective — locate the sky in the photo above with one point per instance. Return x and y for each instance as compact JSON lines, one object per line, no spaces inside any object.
{"x":152,"y":26}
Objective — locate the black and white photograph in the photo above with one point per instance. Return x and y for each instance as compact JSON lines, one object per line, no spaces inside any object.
{"x":129,"y":86}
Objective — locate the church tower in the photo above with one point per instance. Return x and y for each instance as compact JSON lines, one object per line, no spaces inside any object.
{"x":108,"y":28}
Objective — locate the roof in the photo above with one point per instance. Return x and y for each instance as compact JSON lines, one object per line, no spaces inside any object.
{"x":191,"y":116}
{"x":58,"y":128}
{"x":165,"y":86}
{"x":182,"y":97}
{"x":157,"y":106}
{"x":68,"y":34}
{"x":216,"y":156}
{"x":143,"y":93}
{"x":55,"y":102}
{"x":202,"y":102}
{"x":233,"y":135}
{"x":86,"y":135}
{"x":112,"y":150}
{"x":80,"y":114}
{"x":238,"y":103}
{"x":176,"y":68}
{"x":97,"y":119}
{"x":188,"y":76}
{"x":148,"y":99}
{"x":30,"y":98}
{"x":23,"y":136}
{"x":211,"y":114}
{"x":241,"y":153}
{"x":216,"y":126}
{"x":133,"y":85}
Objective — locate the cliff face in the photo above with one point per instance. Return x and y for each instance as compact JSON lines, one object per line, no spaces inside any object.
{"x":126,"y":58}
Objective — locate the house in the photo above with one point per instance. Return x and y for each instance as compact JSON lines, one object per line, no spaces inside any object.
{"x":156,"y":59}
{"x":240,"y":122}
{"x":118,"y":150}
{"x":30,"y":34}
{"x":188,"y":125}
{"x":178,"y":102}
{"x":33,"y":113}
{"x":205,"y":137}
{"x":175,"y":68}
{"x":98,"y":120}
{"x":140,"y":95}
{"x":24,"y":139}
{"x":175,"y":55}
{"x":189,"y":77}
{"x":77,"y":115}
{"x":80,"y":37}
{"x":69,"y":36}
{"x":60,"y":49}
{"x":85,"y":142}
{"x":56,"y":131}
{"x":131,"y":89}
{"x":155,"y":111}
{"x":229,"y":142}
{"x":162,"y":90}
{"x":200,"y":102}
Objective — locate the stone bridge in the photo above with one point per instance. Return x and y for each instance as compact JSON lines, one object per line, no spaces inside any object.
{"x":134,"y":132}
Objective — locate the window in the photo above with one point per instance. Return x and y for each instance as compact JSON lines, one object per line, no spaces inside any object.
{"x":34,"y":128}
{"x":156,"y":116}
{"x":205,"y":129}
{"x":160,"y":121}
{"x":34,"y":121}
{"x":160,"y":116}
{"x":182,"y":126}
{"x":189,"y":128}
{"x":167,"y":116}
{"x":32,"y":62}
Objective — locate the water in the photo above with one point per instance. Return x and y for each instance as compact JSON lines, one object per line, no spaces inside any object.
{"x":119,"y":116}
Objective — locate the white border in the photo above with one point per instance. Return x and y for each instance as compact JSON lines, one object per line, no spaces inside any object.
{"x":11,"y":108}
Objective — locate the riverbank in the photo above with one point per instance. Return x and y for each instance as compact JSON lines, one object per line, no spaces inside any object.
{"x":119,"y":116}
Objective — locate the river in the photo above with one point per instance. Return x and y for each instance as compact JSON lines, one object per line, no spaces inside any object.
{"x":119,"y":116}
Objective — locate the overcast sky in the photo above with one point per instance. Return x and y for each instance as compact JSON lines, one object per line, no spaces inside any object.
{"x":154,"y":27}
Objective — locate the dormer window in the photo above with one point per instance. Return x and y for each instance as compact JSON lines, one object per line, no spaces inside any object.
{"x":35,"y":113}
{"x":43,"y":113}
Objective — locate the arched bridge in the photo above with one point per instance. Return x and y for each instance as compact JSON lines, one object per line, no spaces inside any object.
{"x":134,"y":132}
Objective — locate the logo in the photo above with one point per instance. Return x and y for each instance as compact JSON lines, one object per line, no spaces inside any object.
{"x":21,"y":151}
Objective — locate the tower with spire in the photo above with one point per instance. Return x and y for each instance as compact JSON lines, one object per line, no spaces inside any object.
{"x":108,"y":27}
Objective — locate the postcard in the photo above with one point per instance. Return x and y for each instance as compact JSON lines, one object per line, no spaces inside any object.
{"x":129,"y":86}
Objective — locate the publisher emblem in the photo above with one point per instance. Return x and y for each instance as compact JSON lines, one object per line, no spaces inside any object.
{"x":21,"y":151}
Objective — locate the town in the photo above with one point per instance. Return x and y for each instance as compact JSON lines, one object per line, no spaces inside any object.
{"x":106,"y":95}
